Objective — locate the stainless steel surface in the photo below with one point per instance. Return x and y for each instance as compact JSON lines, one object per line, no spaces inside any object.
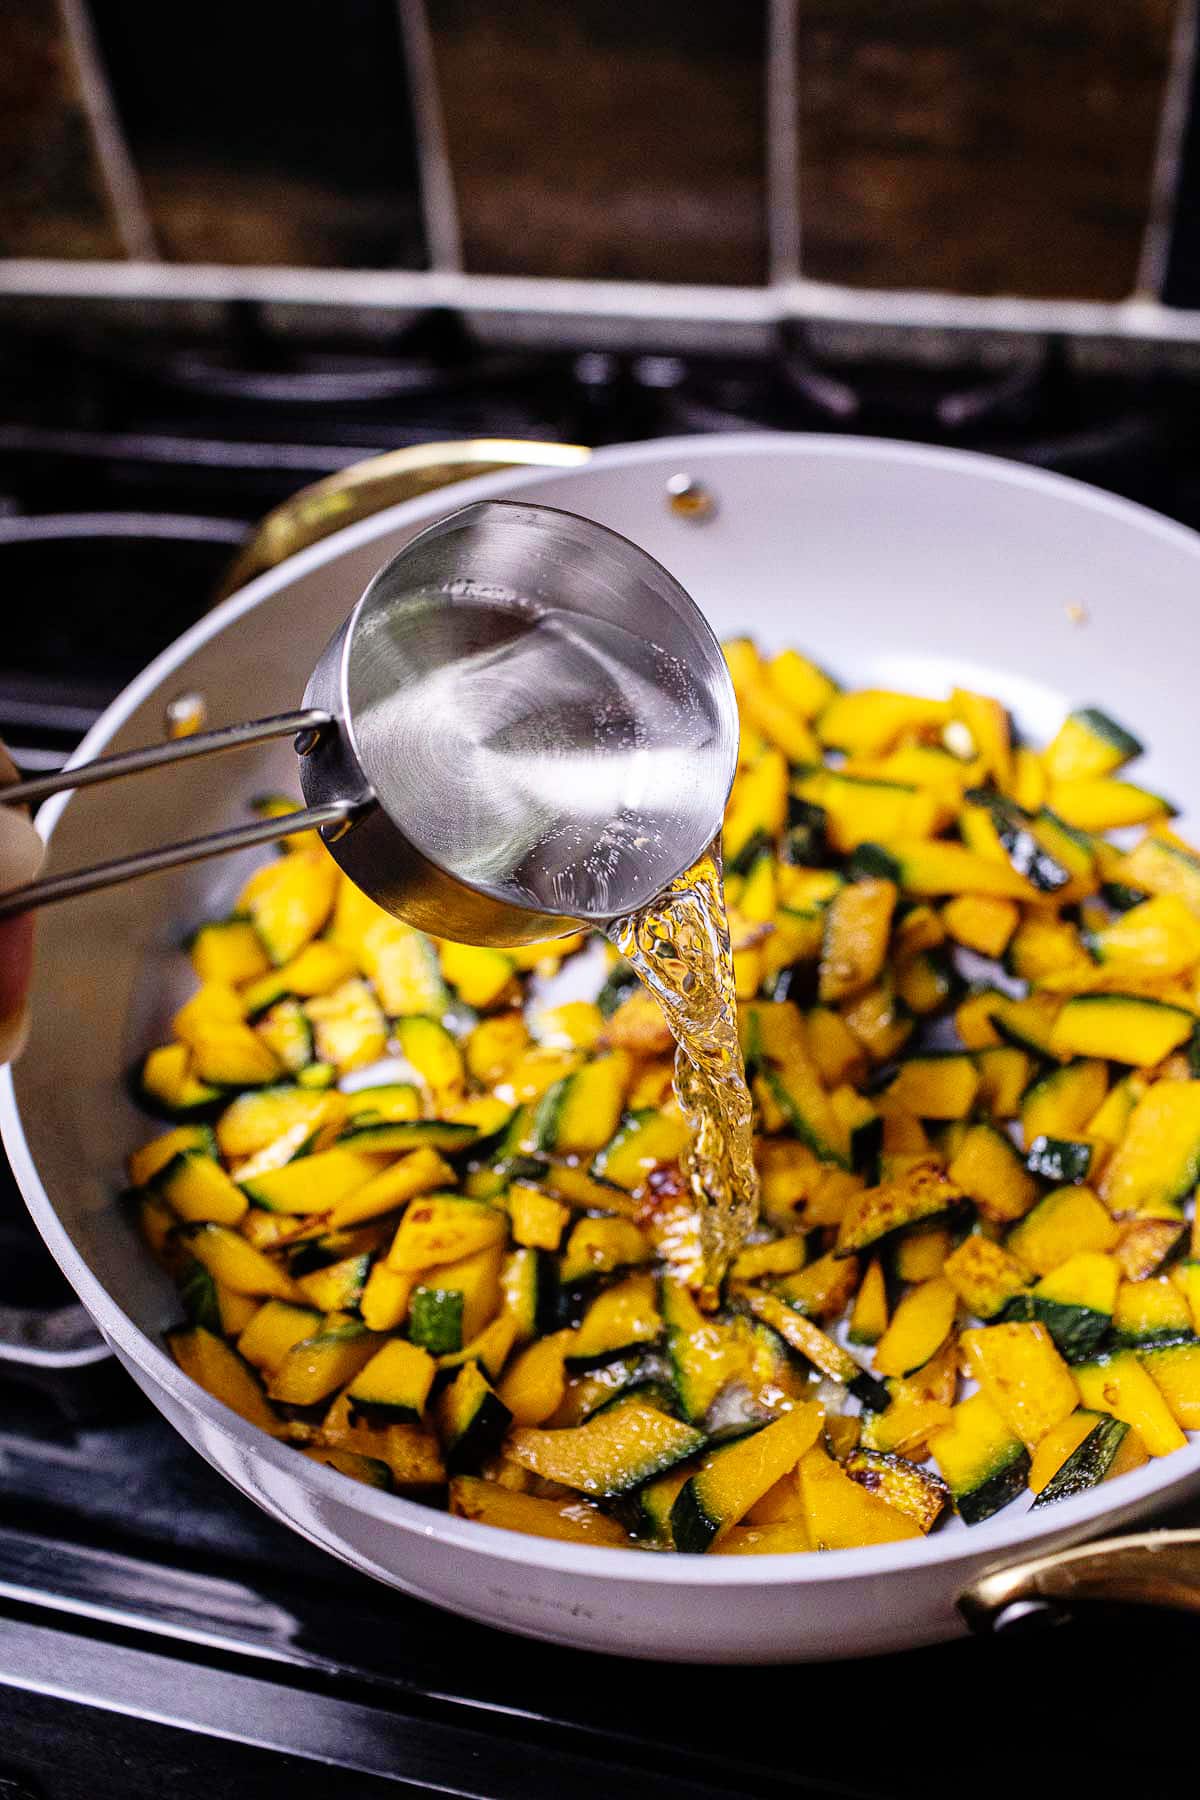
{"x":332,"y":815}
{"x":543,"y":716}
{"x":157,"y":756}
{"x":1151,"y":1568}
{"x":524,"y":725}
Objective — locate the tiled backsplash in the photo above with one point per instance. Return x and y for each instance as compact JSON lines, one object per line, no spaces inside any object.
{"x":996,"y":147}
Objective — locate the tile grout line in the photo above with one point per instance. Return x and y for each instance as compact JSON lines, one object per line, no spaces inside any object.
{"x":117,"y":171}
{"x":782,"y":125}
{"x":439,"y":200}
{"x":1162,"y":200}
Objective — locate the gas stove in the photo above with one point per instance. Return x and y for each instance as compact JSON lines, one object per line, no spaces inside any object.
{"x":158,"y":1633}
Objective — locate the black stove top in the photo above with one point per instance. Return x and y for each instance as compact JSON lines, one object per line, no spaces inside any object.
{"x":159,"y":1634}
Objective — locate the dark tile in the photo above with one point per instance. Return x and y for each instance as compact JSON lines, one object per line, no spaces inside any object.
{"x":1004,"y":146}
{"x":273,"y":132}
{"x":597,"y":139}
{"x":52,"y":199}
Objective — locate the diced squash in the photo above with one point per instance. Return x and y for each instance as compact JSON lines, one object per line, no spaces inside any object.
{"x":982,"y":1460}
{"x":1096,"y":804}
{"x":1003,"y":1077}
{"x":451,"y":1304}
{"x":935,"y":1087}
{"x":984,"y":1276}
{"x":221,"y":1372}
{"x":1175,"y":1371}
{"x":1157,"y":1162}
{"x":620,"y":1447}
{"x":989,"y":1170}
{"x":1023,"y":1375}
{"x":919,"y":1326}
{"x":1058,"y":1444}
{"x":917,"y":1493}
{"x":923,"y":1192}
{"x":1062,"y":1102}
{"x":1119,"y":1385}
{"x":293,"y":902}
{"x":869,"y":1319}
{"x":317,"y":1366}
{"x":443,"y":1228}
{"x":1120,"y":1027}
{"x":735,"y":1474}
{"x":841,"y":1513}
{"x":533,"y":1384}
{"x":1075,"y":1303}
{"x":981,"y":922}
{"x":568,"y":1521}
{"x":1066,"y":1221}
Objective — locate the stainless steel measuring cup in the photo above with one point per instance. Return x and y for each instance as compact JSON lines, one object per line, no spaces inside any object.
{"x":524,"y":726}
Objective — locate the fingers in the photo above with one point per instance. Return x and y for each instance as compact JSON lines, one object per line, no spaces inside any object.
{"x":21,"y":853}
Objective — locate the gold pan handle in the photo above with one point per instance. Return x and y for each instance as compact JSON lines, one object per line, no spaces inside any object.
{"x":1151,"y":1568}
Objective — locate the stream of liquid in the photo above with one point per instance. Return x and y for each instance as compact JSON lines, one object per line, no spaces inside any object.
{"x":679,"y":946}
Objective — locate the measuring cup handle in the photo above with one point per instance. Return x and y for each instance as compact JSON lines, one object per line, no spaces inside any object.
{"x":155,"y":756}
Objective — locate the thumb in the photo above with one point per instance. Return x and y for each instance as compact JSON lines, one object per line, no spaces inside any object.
{"x":21,"y":852}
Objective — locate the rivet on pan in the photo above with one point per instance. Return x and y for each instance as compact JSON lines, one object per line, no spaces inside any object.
{"x":305,"y":742}
{"x":185,"y":715}
{"x":689,"y":498}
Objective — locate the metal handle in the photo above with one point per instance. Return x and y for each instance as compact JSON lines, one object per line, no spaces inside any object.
{"x":1151,"y":1568}
{"x":155,"y":756}
{"x":302,"y":725}
{"x":376,"y":483}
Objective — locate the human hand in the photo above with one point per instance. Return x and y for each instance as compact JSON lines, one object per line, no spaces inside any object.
{"x":21,"y":851}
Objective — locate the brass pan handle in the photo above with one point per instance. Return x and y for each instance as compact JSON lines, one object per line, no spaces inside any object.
{"x":371,"y":486}
{"x":1150,"y":1568}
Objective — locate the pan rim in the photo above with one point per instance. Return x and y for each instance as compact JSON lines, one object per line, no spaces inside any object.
{"x":1070,"y":1521}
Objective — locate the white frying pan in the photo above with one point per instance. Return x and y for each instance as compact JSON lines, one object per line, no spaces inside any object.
{"x":892,"y":565}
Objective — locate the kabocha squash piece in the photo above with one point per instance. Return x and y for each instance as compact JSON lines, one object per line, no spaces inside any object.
{"x":1089,"y":1463}
{"x":924,"y":982}
{"x":989,"y":1170}
{"x":1144,"y":1245}
{"x":167,"y":1084}
{"x":736,"y":1474}
{"x":918,"y":1406}
{"x":1066,"y":1221}
{"x":1075,"y":1303}
{"x":922,"y":1193}
{"x":1061,"y":1160}
{"x":237,"y":1264}
{"x":869,"y":1319}
{"x":622,"y":1446}
{"x":981,"y":1459}
{"x":618,"y":1319}
{"x":472,"y":1420}
{"x":317,"y":1366}
{"x":394,"y":1386}
{"x":935,"y":1086}
{"x":481,"y":977}
{"x":527,"y":1291}
{"x":984,"y":1276}
{"x":385,"y":1298}
{"x":1088,"y":743}
{"x":930,"y":868}
{"x":1175,"y":1372}
{"x":1029,"y":1024}
{"x":1059,"y":1443}
{"x":569,"y":1521}
{"x":286,"y":1032}
{"x":822,"y":1289}
{"x":1023,"y":1375}
{"x":443,"y":1228}
{"x":643,"y":1142}
{"x":383,"y":1103}
{"x":452,"y":1303}
{"x":786,"y":1537}
{"x":420,"y":1172}
{"x":349,"y":1030}
{"x":1097,"y":804}
{"x":841,"y":1513}
{"x":600,"y":1246}
{"x":535,"y":1218}
{"x":494,"y":1046}
{"x":196,"y":1187}
{"x":1060,"y":1104}
{"x":818,"y":1348}
{"x":1157,"y":1162}
{"x":981,"y":922}
{"x":1110,"y":1122}
{"x":869,"y":722}
{"x":1003,"y":1076}
{"x":921,"y":1254}
{"x":319,"y":967}
{"x":588,"y":1108}
{"x":313,"y":1184}
{"x":221,"y":1372}
{"x":1151,"y":1312}
{"x":863,"y":1129}
{"x":277,"y":1325}
{"x":337,"y":1286}
{"x":290,"y":900}
{"x":920,"y":1325}
{"x":148,"y":1161}
{"x":533,"y":1383}
{"x":398,"y":1135}
{"x":411,"y":1452}
{"x":1163,"y":864}
{"x":229,"y":951}
{"x":1043,"y":945}
{"x":491,"y":1349}
{"x":878,"y":1021}
{"x":807,"y":1110}
{"x":806,"y":688}
{"x":253,"y":1121}
{"x":371,"y":1470}
{"x":1186,"y":1276}
{"x":857,"y":926}
{"x":1118,"y":1384}
{"x":917,"y":1493}
{"x":860,"y":810}
{"x":779,"y":1256}
{"x":704,"y":1354}
{"x":835,"y":1051}
{"x":1159,"y":937}
{"x":1124,"y":1028}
